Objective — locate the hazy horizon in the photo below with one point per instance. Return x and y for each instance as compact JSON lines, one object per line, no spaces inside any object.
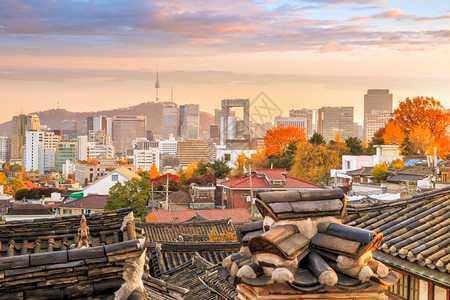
{"x":98,"y":55}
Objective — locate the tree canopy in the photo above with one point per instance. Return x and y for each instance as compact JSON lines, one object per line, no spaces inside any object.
{"x":278,"y":139}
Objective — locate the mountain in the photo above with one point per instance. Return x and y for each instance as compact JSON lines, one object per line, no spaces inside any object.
{"x":152,"y":110}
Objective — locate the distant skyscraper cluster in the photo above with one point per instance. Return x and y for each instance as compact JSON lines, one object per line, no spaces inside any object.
{"x":178,"y":139}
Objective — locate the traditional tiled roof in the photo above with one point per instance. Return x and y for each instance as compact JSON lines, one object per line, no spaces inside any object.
{"x":168,"y":255}
{"x":68,"y":260}
{"x":221,"y":286}
{"x":302,"y":248}
{"x":89,"y":202}
{"x":364,"y":171}
{"x":423,"y":170}
{"x":416,"y":233}
{"x":185,"y":231}
{"x":404,"y":177}
{"x":58,"y":234}
{"x":237,"y":215}
{"x":160,"y":290}
{"x":29,"y":209}
{"x":188,"y":275}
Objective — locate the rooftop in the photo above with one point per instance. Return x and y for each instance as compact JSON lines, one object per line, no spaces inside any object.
{"x":88,"y":202}
{"x":237,"y":215}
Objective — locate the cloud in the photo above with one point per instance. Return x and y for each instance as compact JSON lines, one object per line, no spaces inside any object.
{"x":428,"y":19}
{"x":333,"y":47}
{"x":393,"y":14}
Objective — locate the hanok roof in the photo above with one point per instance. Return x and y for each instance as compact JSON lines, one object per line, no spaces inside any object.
{"x":89,"y":202}
{"x":416,"y":233}
{"x":423,"y":170}
{"x":364,"y":171}
{"x":168,"y":255}
{"x":261,"y":183}
{"x":188,"y":275}
{"x":237,"y":215}
{"x":186,"y":231}
{"x":58,"y":234}
{"x":300,"y":249}
{"x":29,"y":210}
{"x":404,"y":177}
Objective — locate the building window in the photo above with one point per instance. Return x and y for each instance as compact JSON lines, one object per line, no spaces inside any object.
{"x":114,"y":177}
{"x":67,"y":211}
{"x":85,"y":211}
{"x":227,"y":157}
{"x":406,"y":288}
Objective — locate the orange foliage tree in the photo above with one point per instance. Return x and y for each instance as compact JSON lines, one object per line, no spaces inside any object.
{"x":423,"y":121}
{"x":154,"y":171}
{"x":393,"y":135}
{"x":278,"y":139}
{"x":190,"y":170}
{"x":258,"y":159}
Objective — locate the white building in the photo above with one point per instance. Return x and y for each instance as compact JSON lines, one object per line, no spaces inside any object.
{"x":68,"y":167}
{"x":144,"y":159}
{"x":291,"y":121}
{"x":375,"y":120}
{"x":82,"y":147}
{"x":5,"y":148}
{"x":34,"y":151}
{"x":168,"y":146}
{"x":96,"y":144}
{"x":230,"y":156}
{"x":51,"y":140}
{"x":102,"y":185}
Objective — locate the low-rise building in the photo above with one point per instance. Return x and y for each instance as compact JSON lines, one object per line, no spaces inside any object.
{"x":102,"y":185}
{"x":86,"y":205}
{"x":144,"y":159}
{"x":28,"y":211}
{"x":97,"y":168}
{"x":236,"y":192}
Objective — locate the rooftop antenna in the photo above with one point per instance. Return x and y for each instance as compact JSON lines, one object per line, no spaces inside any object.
{"x":157,"y":85}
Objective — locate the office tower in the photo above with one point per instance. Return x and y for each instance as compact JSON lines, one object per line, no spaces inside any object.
{"x":144,"y":144}
{"x":34,"y":151}
{"x":65,"y":151}
{"x":99,"y":144}
{"x":335,"y":119}
{"x":307,"y":114}
{"x":374,"y":121}
{"x":189,"y":121}
{"x":144,"y":159}
{"x":217,"y":116}
{"x":377,"y":103}
{"x":214,"y":133}
{"x":5,"y":148}
{"x":97,"y":123}
{"x":231,"y":127}
{"x":69,"y":129}
{"x":82,"y":153}
{"x":225,"y":131}
{"x":21,"y":124}
{"x":300,"y":122}
{"x":125,"y":130}
{"x":170,"y":120}
{"x":190,"y":151}
{"x":51,"y":140}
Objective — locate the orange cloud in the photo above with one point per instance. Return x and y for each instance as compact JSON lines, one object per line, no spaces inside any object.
{"x":333,"y":47}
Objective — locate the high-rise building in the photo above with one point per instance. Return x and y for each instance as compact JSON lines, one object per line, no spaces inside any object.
{"x":125,"y":130}
{"x":21,"y":124}
{"x":34,"y":151}
{"x":190,"y":151}
{"x":225,"y":130}
{"x":300,"y":122}
{"x":82,"y":153}
{"x":51,"y":140}
{"x":335,"y":119}
{"x":376,"y":102}
{"x":144,"y":144}
{"x":307,"y":114}
{"x":97,"y":123}
{"x":69,"y":129}
{"x":65,"y":151}
{"x":374,"y":121}
{"x":99,"y":144}
{"x":5,"y":148}
{"x":168,"y":147}
{"x":189,"y":121}
{"x":170,"y":120}
{"x":214,"y":133}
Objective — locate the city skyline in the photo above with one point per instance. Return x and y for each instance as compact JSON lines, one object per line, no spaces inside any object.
{"x":88,"y":56}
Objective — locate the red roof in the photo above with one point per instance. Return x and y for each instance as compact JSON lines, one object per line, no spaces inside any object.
{"x":31,"y":185}
{"x":273,"y":174}
{"x":237,"y":215}
{"x":261,"y":183}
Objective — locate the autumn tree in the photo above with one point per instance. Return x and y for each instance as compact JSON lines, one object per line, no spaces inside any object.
{"x":190,"y":170}
{"x":393,"y":134}
{"x":6,"y":169}
{"x":313,"y":163}
{"x":380,"y":172}
{"x":13,"y":186}
{"x":397,"y":164}
{"x":258,"y":159}
{"x":239,"y":165}
{"x":154,"y":171}
{"x":278,"y":139}
{"x":133,"y":193}
{"x":2,"y":178}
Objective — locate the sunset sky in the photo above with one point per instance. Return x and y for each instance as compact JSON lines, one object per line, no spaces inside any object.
{"x":100,"y":54}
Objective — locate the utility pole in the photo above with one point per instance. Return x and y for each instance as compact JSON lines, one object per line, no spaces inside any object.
{"x":251,"y":191}
{"x":153,"y":199}
{"x":167,"y":192}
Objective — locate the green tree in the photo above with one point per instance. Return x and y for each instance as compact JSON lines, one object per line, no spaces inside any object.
{"x":220,"y":168}
{"x":133,"y":193}
{"x":313,"y":163}
{"x":15,"y":168}
{"x":380,"y":172}
{"x":317,"y":139}
{"x":355,"y":145}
